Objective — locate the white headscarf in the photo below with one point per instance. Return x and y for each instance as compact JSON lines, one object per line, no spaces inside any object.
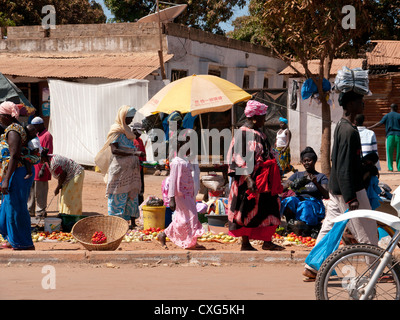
{"x":103,"y":158}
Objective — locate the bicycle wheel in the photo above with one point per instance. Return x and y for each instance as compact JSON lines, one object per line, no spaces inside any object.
{"x":347,"y":271}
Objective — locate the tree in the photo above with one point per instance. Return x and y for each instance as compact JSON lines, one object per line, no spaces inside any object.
{"x":29,"y":12}
{"x":247,"y":28}
{"x":303,"y":30}
{"x":201,"y":14}
{"x":385,"y":19}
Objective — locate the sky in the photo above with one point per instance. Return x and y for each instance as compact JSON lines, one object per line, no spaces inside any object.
{"x":225,"y":26}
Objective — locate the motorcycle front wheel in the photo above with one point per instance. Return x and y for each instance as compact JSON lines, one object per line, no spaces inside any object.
{"x":347,"y":271}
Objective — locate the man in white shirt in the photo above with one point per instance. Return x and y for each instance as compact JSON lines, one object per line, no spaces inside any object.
{"x":368,"y":138}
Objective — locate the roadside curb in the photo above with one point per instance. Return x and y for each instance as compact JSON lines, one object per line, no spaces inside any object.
{"x":150,"y":258}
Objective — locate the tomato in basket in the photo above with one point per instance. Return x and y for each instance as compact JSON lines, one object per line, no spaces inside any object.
{"x":99,"y":237}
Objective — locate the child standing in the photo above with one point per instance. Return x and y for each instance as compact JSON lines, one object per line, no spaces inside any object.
{"x":31,"y":151}
{"x":185,"y":227}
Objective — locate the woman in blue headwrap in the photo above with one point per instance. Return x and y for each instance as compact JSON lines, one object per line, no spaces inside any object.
{"x":283,"y":137}
{"x":123,"y":171}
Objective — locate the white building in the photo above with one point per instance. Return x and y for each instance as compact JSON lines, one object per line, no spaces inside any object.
{"x":305,"y":116}
{"x":100,"y":54}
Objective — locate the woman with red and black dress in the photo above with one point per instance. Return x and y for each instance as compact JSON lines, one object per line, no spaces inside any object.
{"x":253,"y":206}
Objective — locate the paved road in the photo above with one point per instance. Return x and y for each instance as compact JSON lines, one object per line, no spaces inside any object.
{"x":145,"y":282}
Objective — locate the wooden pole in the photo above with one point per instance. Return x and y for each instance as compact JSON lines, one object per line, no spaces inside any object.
{"x":160,"y":52}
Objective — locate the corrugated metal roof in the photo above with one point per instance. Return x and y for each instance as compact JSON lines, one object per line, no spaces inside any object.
{"x":136,"y":65}
{"x":313,"y":65}
{"x":386,"y":52}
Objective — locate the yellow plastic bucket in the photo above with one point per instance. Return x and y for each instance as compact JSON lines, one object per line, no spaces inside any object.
{"x":153,"y":217}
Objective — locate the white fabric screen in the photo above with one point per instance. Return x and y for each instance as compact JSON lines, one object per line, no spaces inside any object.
{"x":81,"y":114}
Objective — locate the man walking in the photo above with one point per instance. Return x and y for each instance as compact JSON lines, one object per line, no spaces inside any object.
{"x":37,"y":201}
{"x":346,"y":189}
{"x":392,"y":127}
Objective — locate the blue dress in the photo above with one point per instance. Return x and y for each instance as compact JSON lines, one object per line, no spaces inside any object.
{"x":15,"y":221}
{"x":307,"y":205}
{"x":121,"y":204}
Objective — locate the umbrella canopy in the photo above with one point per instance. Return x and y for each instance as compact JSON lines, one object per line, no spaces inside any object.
{"x":196,"y":94}
{"x":10,"y":92}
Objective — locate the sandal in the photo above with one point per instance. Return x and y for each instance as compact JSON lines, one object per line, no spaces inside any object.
{"x":271,"y":246}
{"x":309,"y":275}
{"x":6,"y":245}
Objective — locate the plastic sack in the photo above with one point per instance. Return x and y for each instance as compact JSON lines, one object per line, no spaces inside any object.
{"x":309,"y":88}
{"x":153,"y":201}
{"x":326,"y":246}
{"x":352,"y":80}
{"x":201,"y":207}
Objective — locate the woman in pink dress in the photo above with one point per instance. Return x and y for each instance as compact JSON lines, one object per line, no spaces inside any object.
{"x":185,"y":227}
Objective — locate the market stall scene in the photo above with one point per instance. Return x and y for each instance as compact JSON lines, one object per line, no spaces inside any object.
{"x":220,"y":204}
{"x":152,"y":135}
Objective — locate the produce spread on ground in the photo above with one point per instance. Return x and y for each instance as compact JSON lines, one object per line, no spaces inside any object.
{"x":150,"y":234}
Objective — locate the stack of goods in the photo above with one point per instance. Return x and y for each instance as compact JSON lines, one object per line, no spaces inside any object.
{"x":352,"y":80}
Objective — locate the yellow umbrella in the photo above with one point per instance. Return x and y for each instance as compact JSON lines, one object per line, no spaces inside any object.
{"x":196,"y":94}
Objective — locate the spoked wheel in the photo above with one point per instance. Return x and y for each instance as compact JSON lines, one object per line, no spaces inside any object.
{"x":346,"y":272}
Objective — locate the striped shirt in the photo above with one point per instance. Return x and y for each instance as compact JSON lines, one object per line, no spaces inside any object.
{"x":368,"y":142}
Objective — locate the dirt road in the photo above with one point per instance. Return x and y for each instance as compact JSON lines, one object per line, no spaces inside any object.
{"x":130,"y":282}
{"x":152,"y":282}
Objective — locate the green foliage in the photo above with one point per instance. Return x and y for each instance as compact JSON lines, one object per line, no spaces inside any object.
{"x":128,"y":10}
{"x":376,"y":19}
{"x":5,"y":21}
{"x":385,"y":19}
{"x":29,"y":12}
{"x":201,"y":14}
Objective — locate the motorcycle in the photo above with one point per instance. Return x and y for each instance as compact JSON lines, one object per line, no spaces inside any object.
{"x":363,"y":271}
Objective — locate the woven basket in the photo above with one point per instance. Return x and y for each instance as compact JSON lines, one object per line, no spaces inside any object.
{"x":114,"y":229}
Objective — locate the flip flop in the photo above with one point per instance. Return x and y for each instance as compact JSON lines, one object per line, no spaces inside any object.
{"x":6,"y":245}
